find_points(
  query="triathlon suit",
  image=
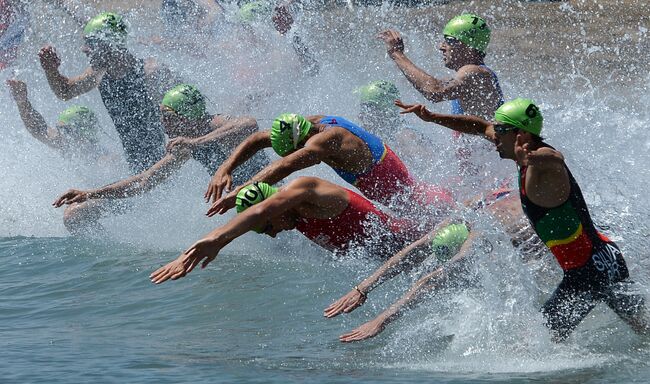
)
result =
(361, 222)
(136, 117)
(211, 156)
(464, 147)
(594, 269)
(457, 109)
(388, 176)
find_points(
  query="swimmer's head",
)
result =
(288, 131)
(448, 241)
(255, 11)
(380, 94)
(253, 194)
(185, 100)
(80, 123)
(107, 27)
(469, 29)
(520, 113)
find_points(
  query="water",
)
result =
(76, 310)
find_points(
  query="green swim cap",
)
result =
(469, 29)
(80, 121)
(448, 241)
(254, 11)
(107, 26)
(186, 100)
(288, 131)
(380, 93)
(521, 113)
(253, 194)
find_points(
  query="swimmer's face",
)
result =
(278, 224)
(173, 123)
(453, 52)
(99, 52)
(505, 137)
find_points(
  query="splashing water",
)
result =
(77, 310)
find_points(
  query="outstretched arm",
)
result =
(132, 186)
(404, 260)
(431, 88)
(207, 248)
(303, 158)
(222, 179)
(429, 283)
(63, 87)
(33, 120)
(472, 125)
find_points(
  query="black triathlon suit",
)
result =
(136, 117)
(594, 268)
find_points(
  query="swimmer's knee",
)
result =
(78, 218)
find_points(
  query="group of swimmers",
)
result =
(395, 217)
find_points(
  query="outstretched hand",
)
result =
(224, 204)
(180, 144)
(282, 18)
(17, 88)
(49, 58)
(365, 331)
(419, 109)
(221, 182)
(393, 40)
(204, 249)
(70, 197)
(345, 304)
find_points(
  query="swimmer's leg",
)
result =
(629, 306)
(566, 309)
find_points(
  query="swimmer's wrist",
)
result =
(360, 291)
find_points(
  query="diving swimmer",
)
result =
(194, 133)
(76, 132)
(359, 157)
(329, 215)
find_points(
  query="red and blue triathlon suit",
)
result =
(360, 224)
(388, 176)
(594, 268)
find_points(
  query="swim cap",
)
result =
(521, 113)
(448, 241)
(470, 29)
(107, 26)
(186, 100)
(380, 93)
(79, 121)
(254, 11)
(288, 131)
(253, 194)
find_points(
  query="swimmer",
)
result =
(380, 116)
(194, 133)
(76, 131)
(593, 265)
(474, 90)
(283, 19)
(329, 215)
(129, 87)
(359, 157)
(451, 243)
